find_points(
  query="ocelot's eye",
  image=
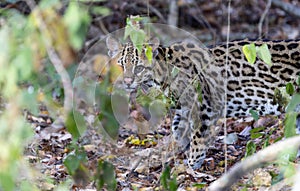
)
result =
(138, 69)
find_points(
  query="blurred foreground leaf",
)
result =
(105, 176)
(76, 166)
(77, 21)
(290, 124)
(75, 124)
(167, 181)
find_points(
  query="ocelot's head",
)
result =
(137, 71)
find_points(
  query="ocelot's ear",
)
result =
(154, 43)
(113, 46)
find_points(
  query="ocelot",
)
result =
(203, 83)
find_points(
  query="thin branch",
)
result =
(226, 79)
(262, 18)
(57, 63)
(287, 7)
(65, 78)
(201, 19)
(103, 28)
(261, 158)
(154, 10)
(173, 13)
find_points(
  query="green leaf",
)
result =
(7, 182)
(138, 38)
(200, 185)
(71, 163)
(198, 88)
(23, 62)
(256, 135)
(76, 166)
(298, 81)
(281, 97)
(120, 105)
(165, 176)
(266, 142)
(143, 99)
(105, 175)
(158, 110)
(287, 167)
(100, 10)
(258, 129)
(128, 21)
(250, 149)
(82, 175)
(290, 124)
(48, 4)
(276, 178)
(10, 87)
(77, 21)
(137, 35)
(290, 170)
(152, 95)
(73, 160)
(129, 28)
(106, 116)
(254, 114)
(75, 124)
(149, 54)
(26, 185)
(166, 181)
(289, 88)
(264, 54)
(295, 101)
(137, 18)
(5, 51)
(128, 31)
(174, 71)
(249, 51)
(257, 132)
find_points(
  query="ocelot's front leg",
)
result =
(181, 128)
(198, 139)
(200, 142)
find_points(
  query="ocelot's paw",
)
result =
(199, 146)
(181, 135)
(196, 157)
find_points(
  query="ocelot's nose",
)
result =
(128, 81)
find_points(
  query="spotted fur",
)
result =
(244, 86)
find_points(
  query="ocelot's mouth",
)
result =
(129, 88)
(145, 88)
(146, 85)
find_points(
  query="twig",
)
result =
(261, 158)
(65, 78)
(155, 11)
(101, 24)
(262, 18)
(226, 79)
(57, 63)
(173, 13)
(201, 19)
(287, 7)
